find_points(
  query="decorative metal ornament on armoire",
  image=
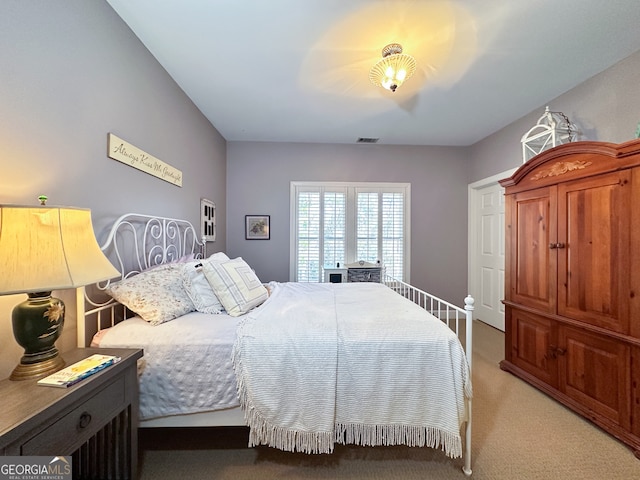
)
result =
(552, 129)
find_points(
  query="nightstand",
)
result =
(95, 421)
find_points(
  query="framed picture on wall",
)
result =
(208, 220)
(257, 227)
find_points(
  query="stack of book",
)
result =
(78, 371)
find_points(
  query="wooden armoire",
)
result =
(572, 280)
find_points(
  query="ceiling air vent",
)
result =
(367, 140)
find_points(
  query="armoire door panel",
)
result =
(594, 371)
(531, 345)
(533, 263)
(593, 275)
(635, 391)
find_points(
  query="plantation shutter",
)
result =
(308, 243)
(393, 234)
(341, 223)
(334, 234)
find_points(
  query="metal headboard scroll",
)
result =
(137, 242)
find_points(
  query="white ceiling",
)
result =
(297, 70)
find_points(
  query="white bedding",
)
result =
(186, 366)
(391, 374)
(324, 363)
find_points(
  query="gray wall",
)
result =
(605, 108)
(259, 176)
(71, 71)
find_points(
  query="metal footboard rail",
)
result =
(460, 320)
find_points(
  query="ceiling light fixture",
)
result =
(393, 69)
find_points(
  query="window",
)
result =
(341, 223)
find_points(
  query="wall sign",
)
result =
(124, 152)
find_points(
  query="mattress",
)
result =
(187, 365)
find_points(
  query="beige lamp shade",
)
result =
(49, 248)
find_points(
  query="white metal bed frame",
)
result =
(137, 242)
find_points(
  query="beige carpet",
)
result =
(518, 433)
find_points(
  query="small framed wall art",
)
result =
(257, 227)
(208, 220)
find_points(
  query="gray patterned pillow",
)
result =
(156, 295)
(197, 287)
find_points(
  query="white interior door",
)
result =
(486, 249)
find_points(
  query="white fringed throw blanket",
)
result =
(319, 364)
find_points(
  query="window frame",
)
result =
(351, 189)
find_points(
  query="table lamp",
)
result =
(42, 249)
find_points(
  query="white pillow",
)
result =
(156, 295)
(237, 286)
(197, 286)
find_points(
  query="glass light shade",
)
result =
(49, 248)
(393, 69)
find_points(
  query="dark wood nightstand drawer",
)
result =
(75, 428)
(94, 421)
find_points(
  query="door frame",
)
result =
(473, 196)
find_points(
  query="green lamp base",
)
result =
(37, 324)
